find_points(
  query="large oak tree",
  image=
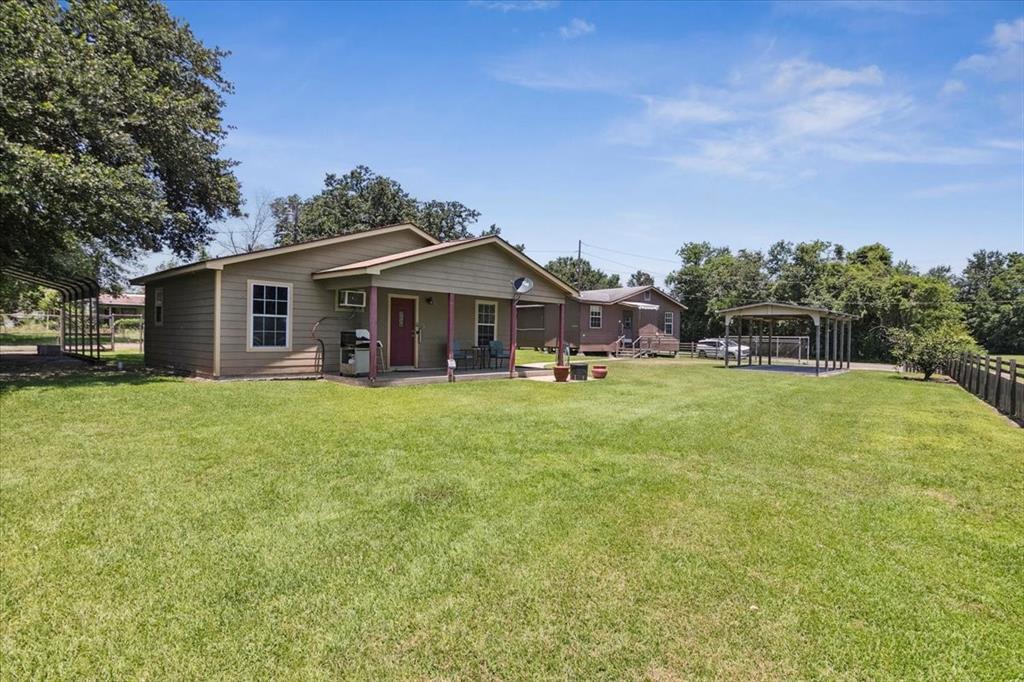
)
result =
(110, 135)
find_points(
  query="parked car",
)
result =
(715, 348)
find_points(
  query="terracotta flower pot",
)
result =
(561, 373)
(599, 371)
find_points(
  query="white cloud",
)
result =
(977, 187)
(1005, 58)
(674, 111)
(515, 5)
(577, 27)
(835, 111)
(776, 121)
(952, 86)
(799, 74)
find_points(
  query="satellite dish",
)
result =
(522, 285)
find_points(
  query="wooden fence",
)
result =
(998, 382)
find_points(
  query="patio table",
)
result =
(481, 357)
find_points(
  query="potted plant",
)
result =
(599, 371)
(561, 373)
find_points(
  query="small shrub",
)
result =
(928, 350)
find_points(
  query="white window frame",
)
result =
(476, 319)
(600, 316)
(158, 305)
(647, 295)
(249, 284)
(669, 324)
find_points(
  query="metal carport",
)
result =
(79, 309)
(838, 331)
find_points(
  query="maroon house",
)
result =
(625, 320)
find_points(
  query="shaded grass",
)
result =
(674, 520)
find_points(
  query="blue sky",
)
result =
(637, 127)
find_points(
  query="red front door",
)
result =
(403, 332)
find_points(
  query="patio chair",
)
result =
(458, 354)
(498, 352)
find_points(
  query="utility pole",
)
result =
(579, 264)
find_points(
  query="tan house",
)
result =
(286, 310)
(624, 320)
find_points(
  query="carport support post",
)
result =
(513, 327)
(849, 342)
(373, 334)
(760, 338)
(835, 345)
(817, 347)
(451, 337)
(560, 354)
(728, 321)
(771, 333)
(750, 343)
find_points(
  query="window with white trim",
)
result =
(270, 306)
(486, 322)
(596, 316)
(647, 295)
(158, 306)
(670, 323)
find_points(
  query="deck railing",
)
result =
(998, 382)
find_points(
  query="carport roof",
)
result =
(774, 310)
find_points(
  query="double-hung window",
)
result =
(486, 322)
(158, 306)
(596, 314)
(670, 323)
(270, 315)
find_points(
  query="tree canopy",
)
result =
(581, 274)
(640, 279)
(110, 135)
(362, 200)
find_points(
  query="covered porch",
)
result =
(443, 312)
(831, 354)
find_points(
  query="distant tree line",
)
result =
(985, 302)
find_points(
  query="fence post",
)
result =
(1013, 388)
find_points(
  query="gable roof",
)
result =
(611, 296)
(376, 266)
(220, 262)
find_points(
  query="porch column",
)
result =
(373, 334)
(451, 337)
(513, 327)
(771, 333)
(817, 347)
(560, 355)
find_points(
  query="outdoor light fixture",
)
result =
(430, 300)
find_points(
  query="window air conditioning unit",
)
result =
(351, 299)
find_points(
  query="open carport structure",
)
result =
(79, 309)
(834, 356)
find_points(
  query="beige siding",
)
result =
(310, 302)
(482, 271)
(185, 340)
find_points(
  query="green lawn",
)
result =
(676, 520)
(31, 337)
